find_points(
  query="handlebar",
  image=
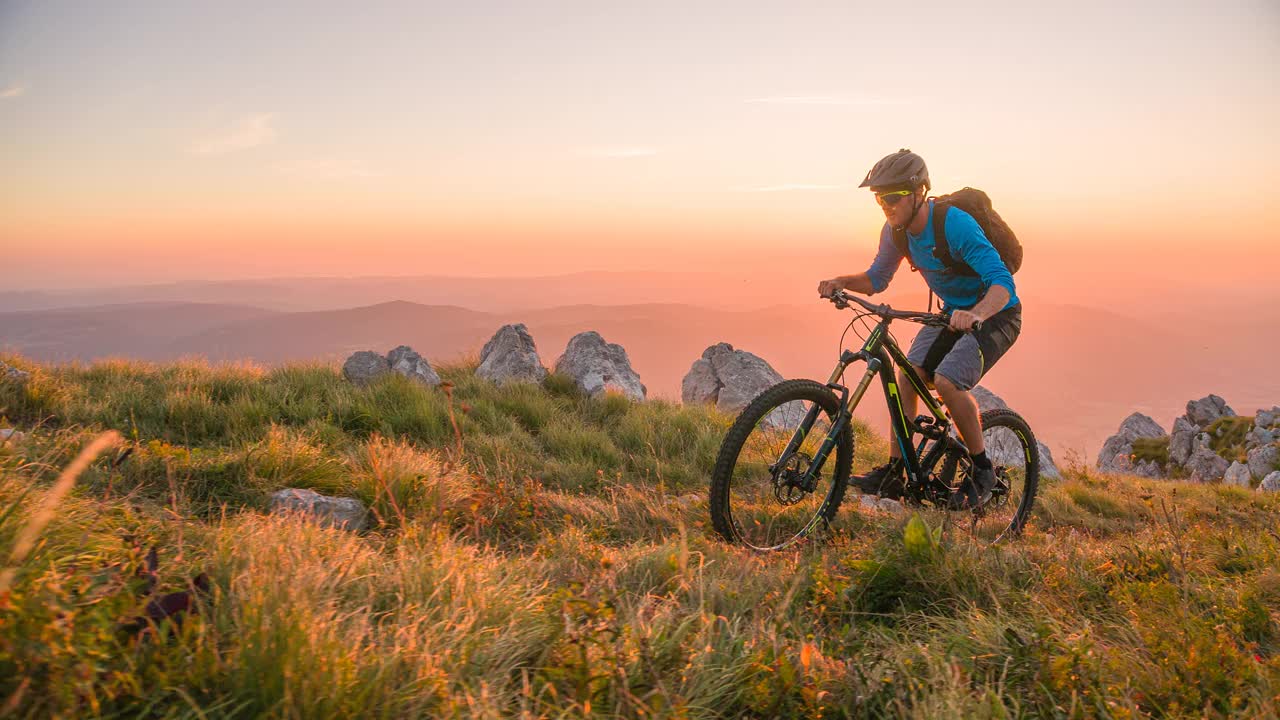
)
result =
(841, 299)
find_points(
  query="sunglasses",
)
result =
(892, 197)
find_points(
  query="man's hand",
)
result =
(963, 320)
(827, 287)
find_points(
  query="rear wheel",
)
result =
(1013, 449)
(762, 494)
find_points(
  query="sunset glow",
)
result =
(230, 141)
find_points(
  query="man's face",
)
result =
(896, 204)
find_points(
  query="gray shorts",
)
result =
(963, 358)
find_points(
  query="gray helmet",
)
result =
(901, 168)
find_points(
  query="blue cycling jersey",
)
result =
(967, 243)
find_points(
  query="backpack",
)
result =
(976, 203)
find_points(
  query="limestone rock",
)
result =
(1182, 440)
(597, 366)
(987, 400)
(1267, 418)
(1238, 474)
(1262, 460)
(1120, 445)
(731, 379)
(1004, 448)
(1271, 483)
(365, 366)
(1258, 437)
(8, 373)
(511, 356)
(412, 365)
(1141, 468)
(11, 435)
(1205, 465)
(879, 504)
(1204, 411)
(339, 512)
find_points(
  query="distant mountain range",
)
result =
(1076, 372)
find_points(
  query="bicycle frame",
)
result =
(881, 354)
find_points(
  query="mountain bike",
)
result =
(775, 481)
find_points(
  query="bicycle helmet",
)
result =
(903, 168)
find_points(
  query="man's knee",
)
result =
(945, 386)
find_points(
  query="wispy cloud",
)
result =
(792, 187)
(326, 169)
(12, 91)
(621, 152)
(248, 132)
(823, 100)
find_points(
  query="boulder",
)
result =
(987, 400)
(11, 434)
(11, 374)
(1182, 440)
(887, 505)
(1204, 411)
(410, 364)
(1205, 465)
(1142, 468)
(1271, 483)
(510, 356)
(1262, 460)
(730, 379)
(1238, 474)
(1120, 446)
(1004, 449)
(597, 366)
(1267, 418)
(363, 367)
(1258, 437)
(340, 512)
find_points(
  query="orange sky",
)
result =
(151, 143)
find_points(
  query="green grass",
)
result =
(561, 564)
(1227, 436)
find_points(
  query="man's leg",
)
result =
(964, 411)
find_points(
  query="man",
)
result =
(953, 359)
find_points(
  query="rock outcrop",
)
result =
(340, 512)
(1182, 440)
(364, 367)
(407, 362)
(510, 356)
(1262, 460)
(597, 366)
(11, 374)
(1002, 447)
(730, 379)
(1271, 483)
(1238, 474)
(1204, 411)
(1117, 451)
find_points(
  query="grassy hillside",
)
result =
(552, 557)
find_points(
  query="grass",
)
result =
(1227, 436)
(561, 565)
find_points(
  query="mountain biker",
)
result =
(951, 358)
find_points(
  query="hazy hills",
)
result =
(1075, 373)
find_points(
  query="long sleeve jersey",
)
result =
(967, 243)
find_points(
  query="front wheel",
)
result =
(1013, 449)
(768, 489)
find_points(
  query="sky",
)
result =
(1125, 142)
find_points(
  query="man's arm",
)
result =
(859, 283)
(876, 278)
(990, 304)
